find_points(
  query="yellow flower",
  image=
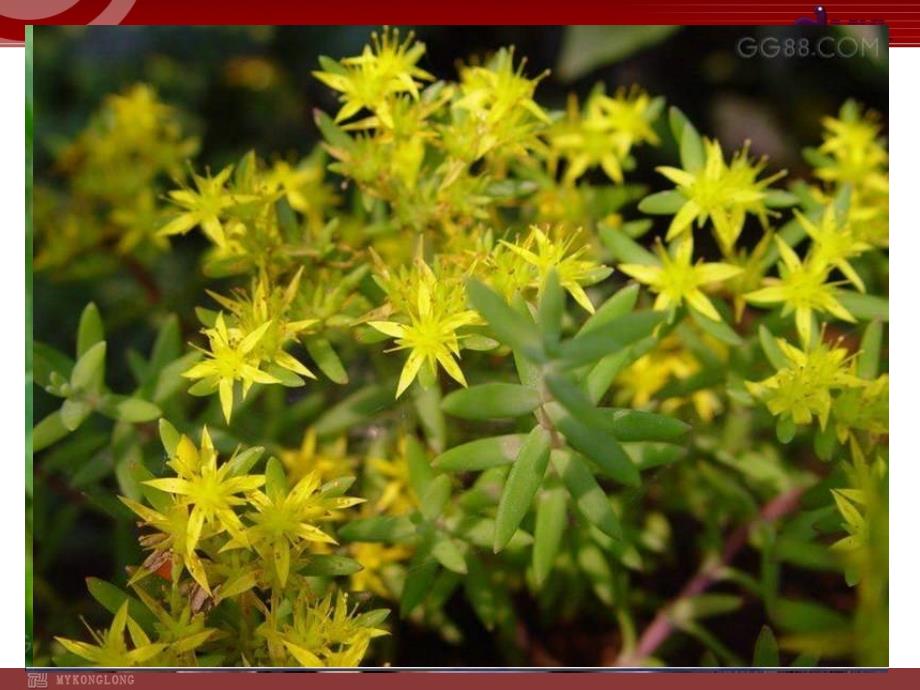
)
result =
(397, 497)
(111, 649)
(130, 141)
(205, 207)
(855, 149)
(283, 520)
(304, 187)
(637, 385)
(435, 315)
(724, 193)
(384, 69)
(544, 254)
(862, 506)
(855, 156)
(868, 215)
(803, 388)
(863, 408)
(330, 461)
(114, 168)
(138, 114)
(230, 359)
(321, 633)
(833, 243)
(181, 629)
(268, 304)
(802, 288)
(138, 222)
(496, 107)
(605, 132)
(677, 279)
(374, 559)
(210, 490)
(169, 541)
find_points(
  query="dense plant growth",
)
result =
(447, 355)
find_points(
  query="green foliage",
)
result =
(423, 381)
(81, 384)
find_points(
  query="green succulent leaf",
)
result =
(692, 155)
(525, 478)
(74, 412)
(169, 436)
(448, 554)
(665, 203)
(381, 528)
(89, 370)
(435, 496)
(625, 249)
(90, 329)
(49, 431)
(329, 565)
(481, 454)
(419, 578)
(326, 359)
(491, 401)
(766, 651)
(589, 347)
(112, 598)
(869, 351)
(510, 326)
(600, 445)
(551, 518)
(637, 425)
(134, 410)
(551, 309)
(589, 498)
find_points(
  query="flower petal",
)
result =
(390, 328)
(409, 371)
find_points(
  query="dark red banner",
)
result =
(452, 680)
(902, 17)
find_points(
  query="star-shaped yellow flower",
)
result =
(385, 69)
(111, 649)
(545, 254)
(802, 389)
(834, 243)
(230, 359)
(204, 207)
(283, 523)
(677, 279)
(801, 288)
(724, 193)
(210, 490)
(431, 334)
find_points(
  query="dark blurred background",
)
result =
(251, 87)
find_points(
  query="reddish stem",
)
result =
(144, 278)
(661, 626)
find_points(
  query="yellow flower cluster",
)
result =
(803, 388)
(362, 257)
(236, 532)
(116, 170)
(853, 156)
(251, 349)
(604, 132)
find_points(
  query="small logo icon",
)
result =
(37, 680)
(819, 20)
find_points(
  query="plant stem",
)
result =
(661, 627)
(144, 278)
